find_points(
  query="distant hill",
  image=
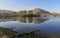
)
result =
(6, 11)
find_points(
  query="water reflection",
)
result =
(22, 27)
(24, 19)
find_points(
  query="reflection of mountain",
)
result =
(4, 19)
(23, 19)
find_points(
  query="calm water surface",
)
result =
(32, 27)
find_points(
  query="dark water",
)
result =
(31, 27)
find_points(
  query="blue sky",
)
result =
(49, 5)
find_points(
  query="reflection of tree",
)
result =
(31, 19)
(21, 19)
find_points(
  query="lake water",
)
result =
(30, 27)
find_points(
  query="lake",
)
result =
(30, 27)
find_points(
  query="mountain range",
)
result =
(41, 11)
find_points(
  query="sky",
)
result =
(48, 5)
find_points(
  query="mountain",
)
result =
(42, 11)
